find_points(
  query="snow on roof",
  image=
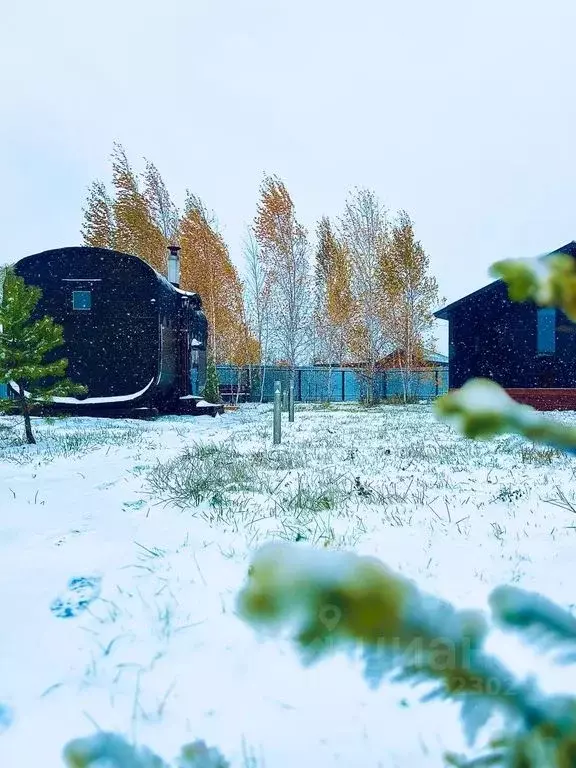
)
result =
(435, 357)
(165, 280)
(93, 400)
(184, 293)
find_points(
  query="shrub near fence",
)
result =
(313, 384)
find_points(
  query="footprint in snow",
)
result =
(134, 504)
(80, 593)
(6, 717)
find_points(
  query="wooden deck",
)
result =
(545, 399)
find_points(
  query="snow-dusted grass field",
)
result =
(167, 514)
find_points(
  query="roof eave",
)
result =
(444, 313)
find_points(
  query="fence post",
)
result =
(437, 382)
(291, 400)
(300, 384)
(277, 414)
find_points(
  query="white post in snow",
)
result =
(277, 413)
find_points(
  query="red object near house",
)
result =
(545, 399)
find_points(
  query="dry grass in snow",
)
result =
(167, 513)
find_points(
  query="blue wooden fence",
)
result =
(313, 384)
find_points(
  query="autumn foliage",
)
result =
(360, 295)
(207, 269)
(334, 303)
(285, 265)
(140, 218)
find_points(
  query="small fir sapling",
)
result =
(211, 391)
(27, 351)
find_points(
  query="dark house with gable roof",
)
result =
(528, 350)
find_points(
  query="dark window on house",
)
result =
(81, 300)
(546, 331)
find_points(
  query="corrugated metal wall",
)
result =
(313, 384)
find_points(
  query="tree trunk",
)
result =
(238, 383)
(26, 413)
(262, 379)
(370, 384)
(403, 374)
(249, 371)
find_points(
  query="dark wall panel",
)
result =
(493, 337)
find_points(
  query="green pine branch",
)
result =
(334, 600)
(114, 751)
(549, 281)
(481, 409)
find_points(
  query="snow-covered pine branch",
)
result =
(549, 281)
(114, 751)
(482, 409)
(329, 601)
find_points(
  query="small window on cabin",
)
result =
(81, 299)
(546, 331)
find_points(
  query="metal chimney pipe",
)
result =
(174, 265)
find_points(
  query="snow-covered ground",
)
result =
(161, 519)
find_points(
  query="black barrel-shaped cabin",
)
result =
(134, 339)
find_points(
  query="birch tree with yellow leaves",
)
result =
(412, 295)
(207, 269)
(334, 304)
(365, 233)
(131, 219)
(161, 208)
(284, 248)
(98, 227)
(135, 230)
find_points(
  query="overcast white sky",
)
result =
(461, 112)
